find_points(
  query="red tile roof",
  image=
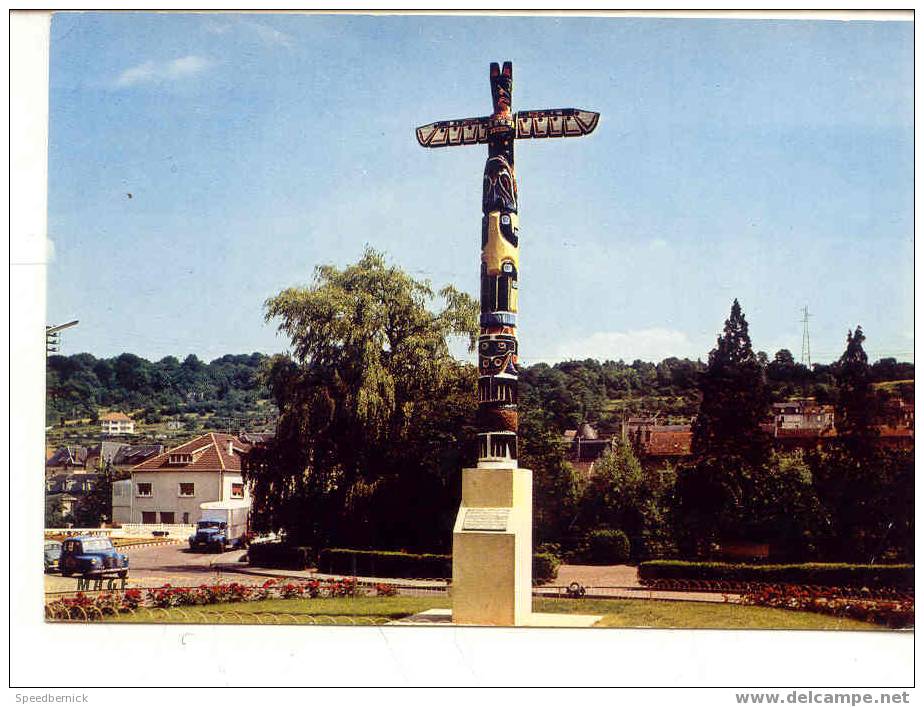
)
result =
(669, 444)
(209, 453)
(889, 431)
(115, 416)
(805, 432)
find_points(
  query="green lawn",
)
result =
(635, 613)
(291, 610)
(627, 613)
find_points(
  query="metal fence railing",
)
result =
(128, 530)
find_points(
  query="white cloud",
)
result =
(646, 344)
(261, 31)
(153, 71)
(268, 34)
(186, 66)
(213, 27)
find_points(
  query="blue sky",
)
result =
(764, 160)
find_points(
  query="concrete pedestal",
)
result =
(492, 548)
(443, 617)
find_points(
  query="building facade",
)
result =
(171, 487)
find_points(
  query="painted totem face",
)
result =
(500, 238)
(502, 88)
(497, 355)
(500, 186)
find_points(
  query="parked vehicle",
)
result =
(52, 555)
(91, 557)
(223, 526)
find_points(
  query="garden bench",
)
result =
(83, 583)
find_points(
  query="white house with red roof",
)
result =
(170, 487)
(116, 423)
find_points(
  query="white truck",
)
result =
(223, 525)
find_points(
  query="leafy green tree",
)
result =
(364, 410)
(868, 503)
(621, 495)
(543, 387)
(94, 508)
(55, 517)
(557, 487)
(781, 508)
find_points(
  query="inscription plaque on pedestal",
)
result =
(491, 519)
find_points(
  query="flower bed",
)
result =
(897, 612)
(82, 607)
(741, 587)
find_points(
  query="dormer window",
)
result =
(180, 459)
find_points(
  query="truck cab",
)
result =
(91, 556)
(223, 525)
(211, 534)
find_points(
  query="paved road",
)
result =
(598, 576)
(156, 565)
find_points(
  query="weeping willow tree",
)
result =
(375, 413)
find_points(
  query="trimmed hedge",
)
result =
(604, 546)
(812, 573)
(280, 556)
(545, 567)
(405, 565)
(384, 563)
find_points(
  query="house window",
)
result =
(187, 489)
(148, 517)
(144, 490)
(180, 459)
(166, 517)
(186, 519)
(237, 490)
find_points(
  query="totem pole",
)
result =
(497, 346)
(492, 538)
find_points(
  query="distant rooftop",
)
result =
(115, 416)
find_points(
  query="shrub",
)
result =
(162, 597)
(605, 547)
(183, 596)
(812, 573)
(290, 590)
(239, 592)
(280, 555)
(382, 563)
(545, 567)
(344, 587)
(132, 599)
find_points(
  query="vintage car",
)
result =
(52, 554)
(91, 556)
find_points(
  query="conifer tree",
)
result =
(855, 411)
(735, 399)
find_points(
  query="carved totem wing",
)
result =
(556, 122)
(447, 133)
